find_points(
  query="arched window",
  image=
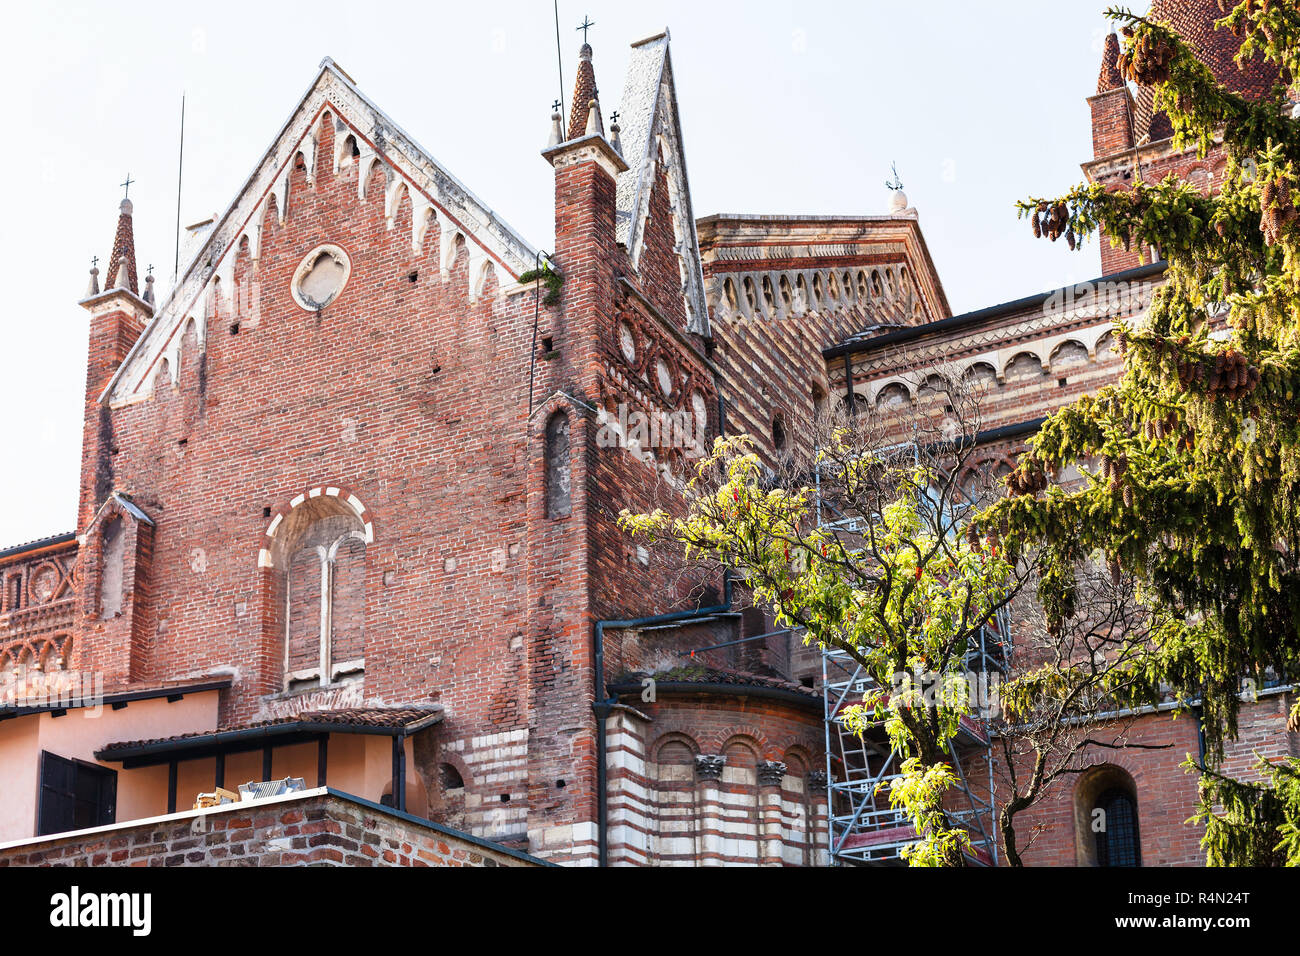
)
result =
(559, 469)
(1106, 818)
(322, 553)
(451, 793)
(778, 434)
(1117, 834)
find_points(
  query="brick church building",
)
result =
(348, 500)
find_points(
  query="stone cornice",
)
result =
(591, 148)
(117, 300)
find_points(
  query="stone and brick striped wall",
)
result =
(709, 780)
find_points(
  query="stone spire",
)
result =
(615, 135)
(93, 288)
(595, 124)
(1110, 78)
(584, 91)
(557, 129)
(121, 264)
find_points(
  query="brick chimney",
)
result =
(586, 248)
(117, 317)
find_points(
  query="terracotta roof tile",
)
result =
(1194, 22)
(393, 718)
(694, 674)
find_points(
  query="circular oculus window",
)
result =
(321, 277)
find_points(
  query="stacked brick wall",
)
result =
(1158, 161)
(1166, 798)
(317, 830)
(409, 393)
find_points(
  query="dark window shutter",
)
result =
(74, 795)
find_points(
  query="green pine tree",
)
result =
(1192, 460)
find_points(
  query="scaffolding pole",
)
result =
(863, 829)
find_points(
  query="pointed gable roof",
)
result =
(432, 188)
(650, 124)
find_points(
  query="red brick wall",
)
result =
(324, 830)
(412, 398)
(1112, 124)
(1166, 793)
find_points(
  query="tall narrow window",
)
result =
(1106, 818)
(559, 469)
(112, 572)
(1117, 837)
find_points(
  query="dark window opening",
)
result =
(234, 328)
(450, 777)
(1117, 840)
(778, 434)
(413, 277)
(74, 795)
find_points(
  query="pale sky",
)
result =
(787, 107)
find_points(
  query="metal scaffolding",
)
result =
(863, 827)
